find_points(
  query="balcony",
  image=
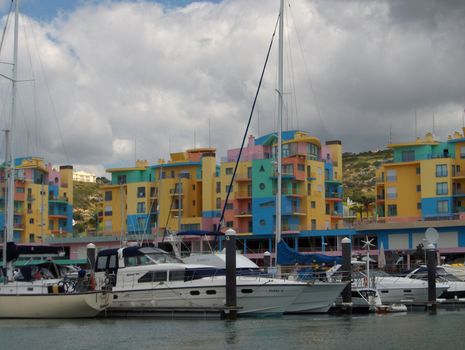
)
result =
(380, 179)
(243, 194)
(176, 192)
(243, 213)
(290, 228)
(333, 196)
(458, 174)
(58, 199)
(243, 178)
(458, 192)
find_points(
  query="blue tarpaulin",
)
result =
(288, 256)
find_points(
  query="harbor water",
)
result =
(413, 330)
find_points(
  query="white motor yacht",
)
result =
(456, 286)
(150, 279)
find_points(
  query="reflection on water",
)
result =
(416, 330)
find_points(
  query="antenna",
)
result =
(209, 133)
(434, 127)
(390, 134)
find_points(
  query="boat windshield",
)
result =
(150, 259)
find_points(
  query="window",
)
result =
(419, 205)
(309, 189)
(154, 276)
(313, 204)
(462, 152)
(262, 222)
(391, 176)
(19, 189)
(300, 167)
(418, 188)
(391, 192)
(392, 210)
(313, 224)
(227, 188)
(327, 209)
(177, 275)
(442, 207)
(31, 221)
(193, 187)
(309, 171)
(108, 195)
(108, 210)
(121, 179)
(108, 225)
(312, 151)
(418, 170)
(218, 187)
(218, 203)
(441, 188)
(229, 224)
(261, 186)
(228, 171)
(193, 203)
(408, 156)
(141, 207)
(441, 170)
(31, 238)
(262, 169)
(140, 192)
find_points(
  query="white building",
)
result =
(82, 176)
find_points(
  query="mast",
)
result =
(280, 129)
(9, 161)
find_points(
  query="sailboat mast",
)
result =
(11, 175)
(280, 129)
(9, 161)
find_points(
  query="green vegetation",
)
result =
(359, 174)
(86, 199)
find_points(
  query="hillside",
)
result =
(86, 199)
(359, 172)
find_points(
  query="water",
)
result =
(417, 330)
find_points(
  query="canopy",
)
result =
(199, 233)
(288, 256)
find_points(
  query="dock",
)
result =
(203, 313)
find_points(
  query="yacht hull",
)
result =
(66, 305)
(316, 298)
(254, 296)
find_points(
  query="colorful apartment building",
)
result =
(43, 200)
(189, 191)
(425, 181)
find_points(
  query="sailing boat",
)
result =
(39, 298)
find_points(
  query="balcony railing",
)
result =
(243, 194)
(291, 227)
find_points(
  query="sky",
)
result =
(106, 82)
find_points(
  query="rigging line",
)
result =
(169, 214)
(317, 108)
(246, 129)
(50, 97)
(292, 77)
(6, 26)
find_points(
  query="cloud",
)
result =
(119, 78)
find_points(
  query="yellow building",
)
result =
(426, 180)
(43, 200)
